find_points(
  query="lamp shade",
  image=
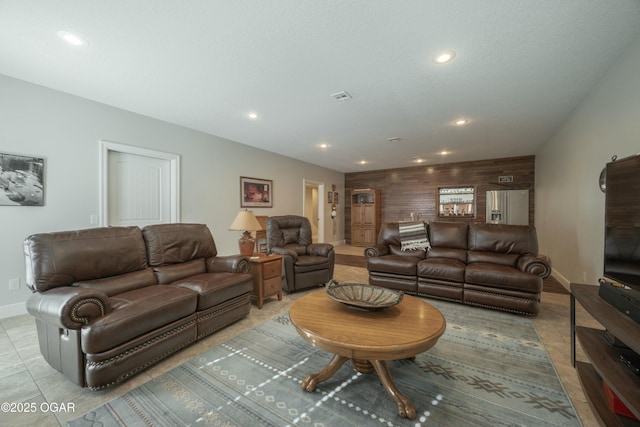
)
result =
(245, 221)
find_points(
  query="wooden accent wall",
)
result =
(414, 189)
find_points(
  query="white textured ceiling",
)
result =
(521, 67)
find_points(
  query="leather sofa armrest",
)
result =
(228, 264)
(319, 249)
(69, 307)
(286, 252)
(538, 265)
(376, 250)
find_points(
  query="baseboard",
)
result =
(566, 283)
(11, 310)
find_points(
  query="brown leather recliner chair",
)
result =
(306, 264)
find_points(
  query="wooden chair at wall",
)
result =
(261, 235)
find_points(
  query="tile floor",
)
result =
(26, 378)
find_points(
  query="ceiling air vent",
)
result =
(393, 139)
(341, 96)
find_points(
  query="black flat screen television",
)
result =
(622, 222)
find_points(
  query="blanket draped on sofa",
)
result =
(413, 235)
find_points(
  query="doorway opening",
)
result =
(312, 207)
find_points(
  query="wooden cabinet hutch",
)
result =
(365, 216)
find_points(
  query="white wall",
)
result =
(65, 130)
(569, 204)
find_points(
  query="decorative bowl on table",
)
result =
(363, 297)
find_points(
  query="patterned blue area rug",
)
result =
(488, 369)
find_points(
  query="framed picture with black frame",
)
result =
(256, 192)
(21, 180)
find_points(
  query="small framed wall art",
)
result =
(256, 193)
(21, 180)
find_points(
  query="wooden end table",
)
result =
(267, 277)
(367, 338)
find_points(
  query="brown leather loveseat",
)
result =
(109, 302)
(489, 265)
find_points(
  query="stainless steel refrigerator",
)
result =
(508, 207)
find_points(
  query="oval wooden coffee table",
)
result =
(368, 338)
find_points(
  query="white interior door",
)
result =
(139, 186)
(138, 190)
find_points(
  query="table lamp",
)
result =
(245, 221)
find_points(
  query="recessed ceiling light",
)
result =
(324, 145)
(444, 57)
(461, 122)
(363, 162)
(253, 116)
(72, 38)
(444, 152)
(418, 160)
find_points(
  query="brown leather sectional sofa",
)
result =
(109, 302)
(489, 265)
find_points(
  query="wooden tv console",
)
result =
(604, 358)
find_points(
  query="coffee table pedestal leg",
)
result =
(405, 408)
(362, 366)
(309, 383)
